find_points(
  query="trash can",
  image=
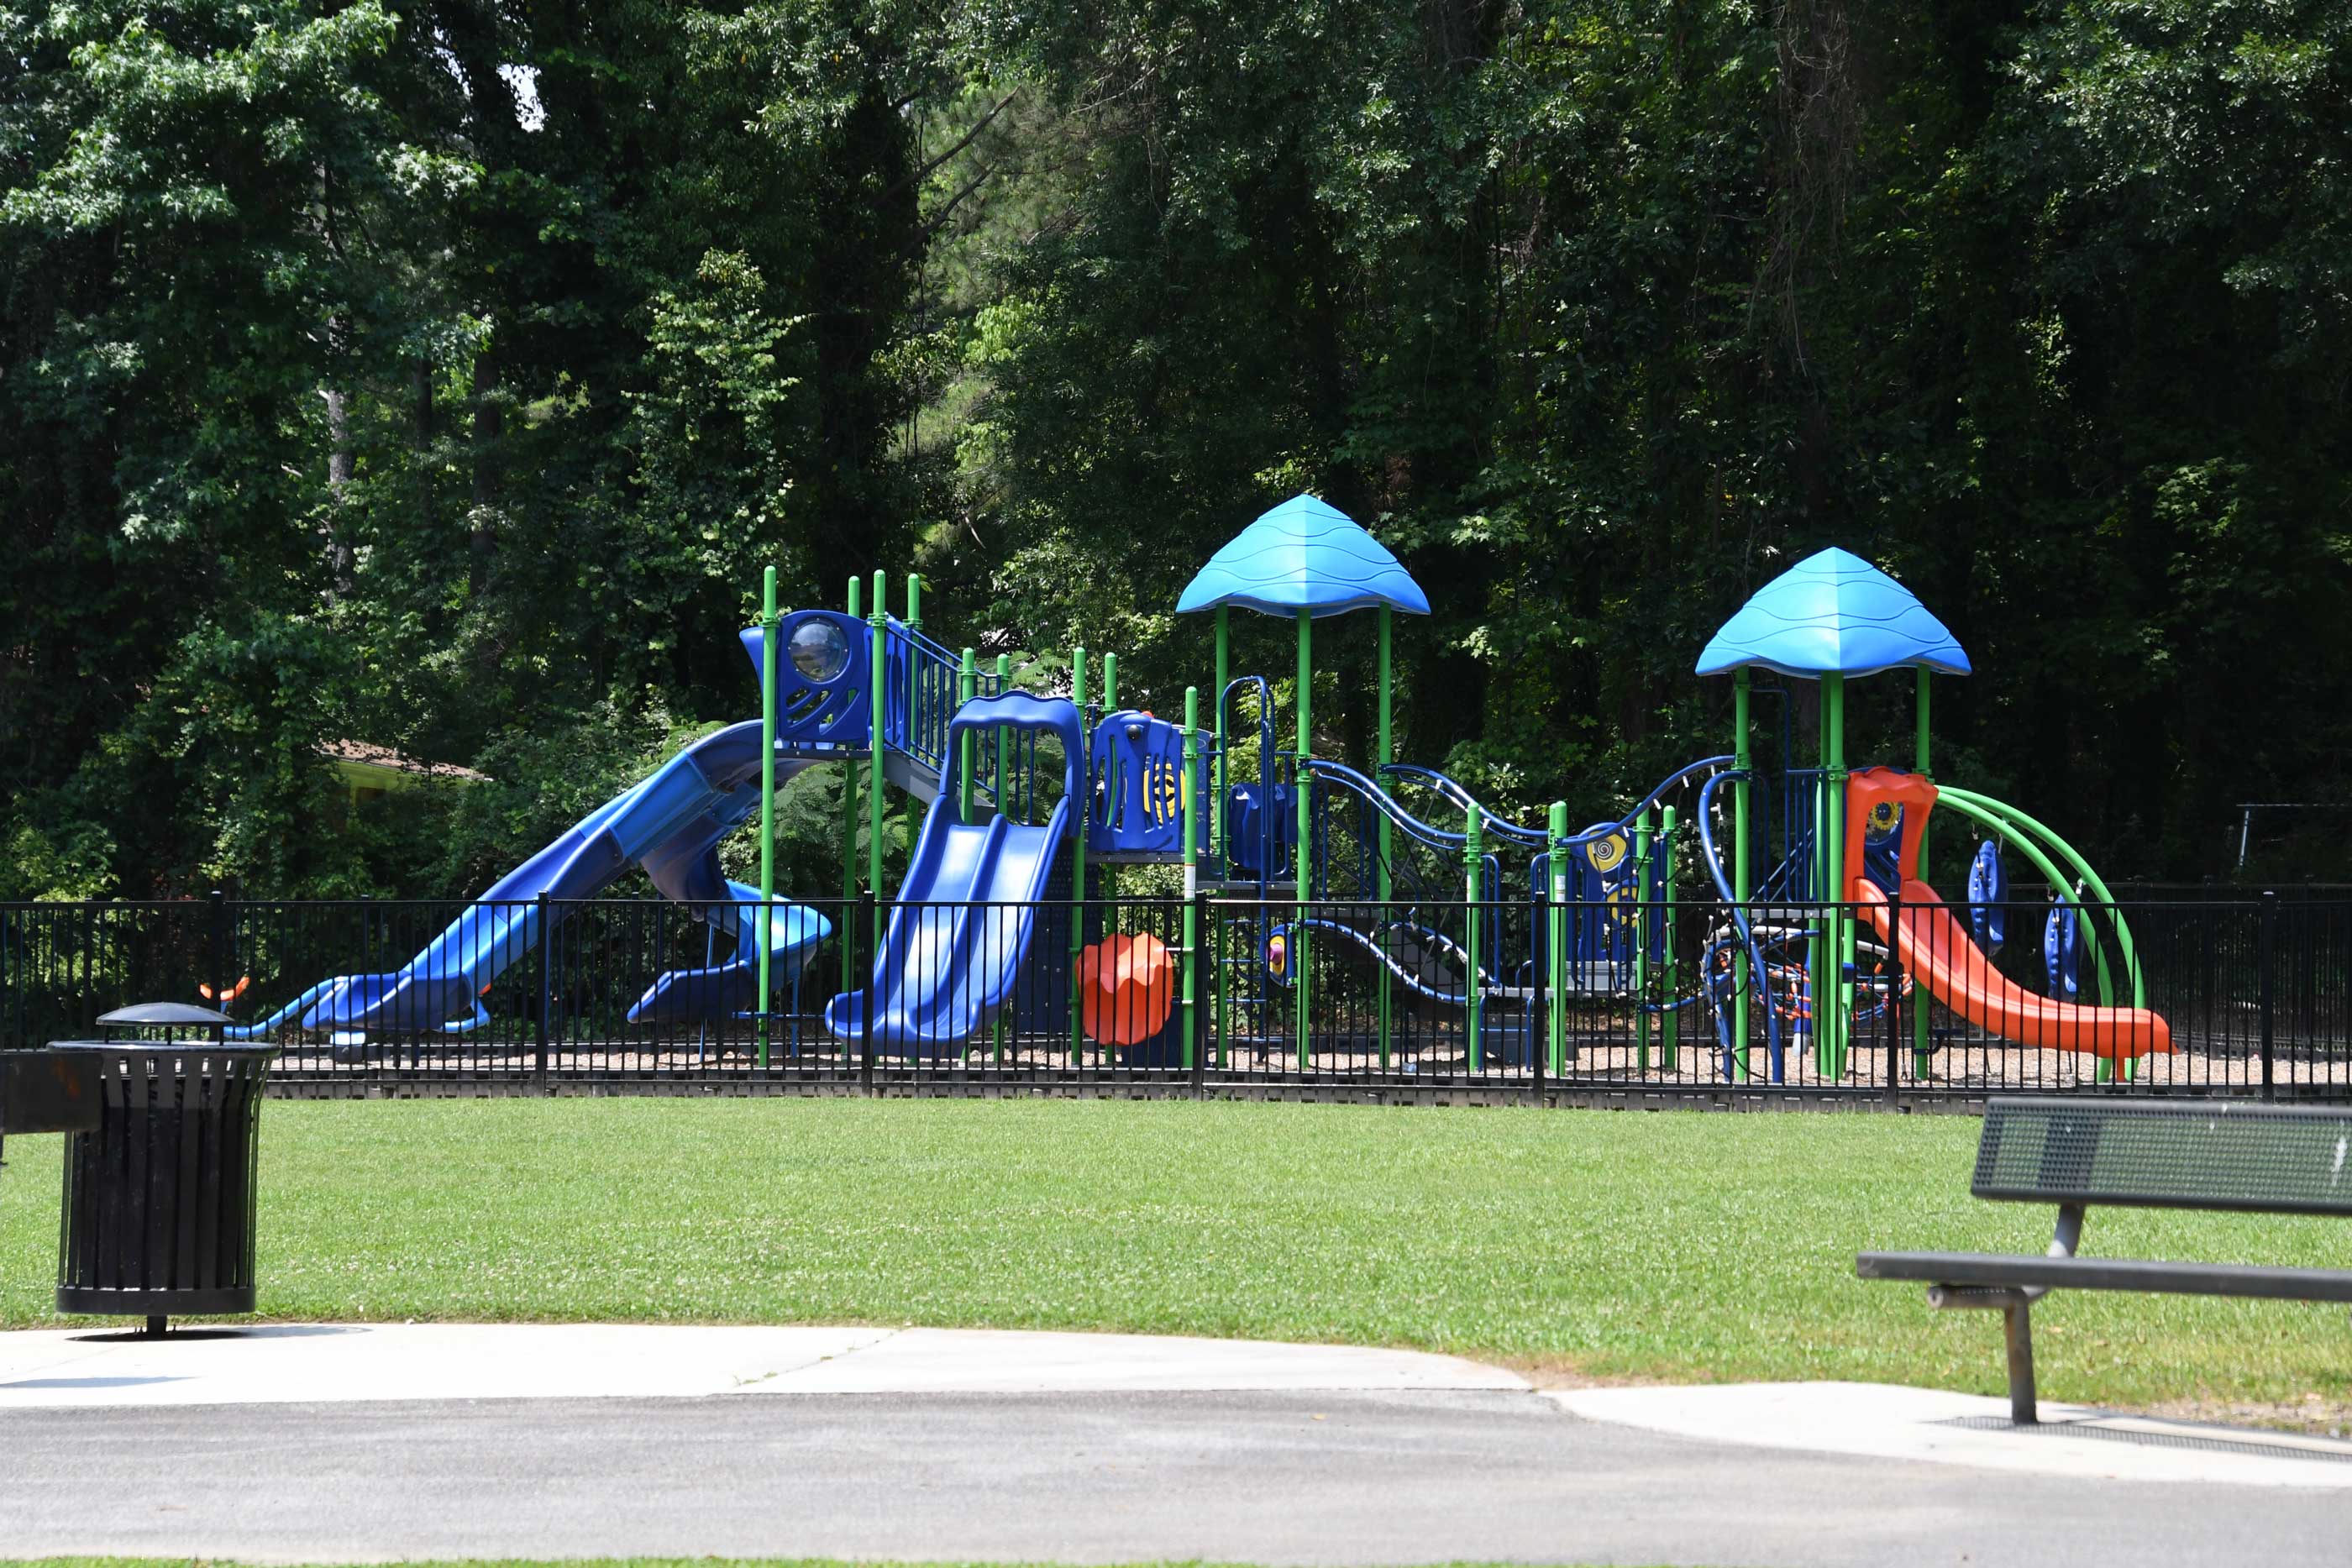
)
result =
(159, 1198)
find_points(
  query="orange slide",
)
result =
(1935, 951)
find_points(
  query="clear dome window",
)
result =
(819, 650)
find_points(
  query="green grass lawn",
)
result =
(1609, 1244)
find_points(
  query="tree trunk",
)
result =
(487, 427)
(340, 469)
(420, 440)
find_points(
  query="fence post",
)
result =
(216, 960)
(1891, 1010)
(2265, 955)
(1645, 914)
(1535, 1018)
(1555, 941)
(869, 914)
(546, 989)
(1196, 1036)
(1078, 813)
(1669, 964)
(1187, 808)
(1474, 1009)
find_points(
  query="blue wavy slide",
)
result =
(954, 945)
(671, 824)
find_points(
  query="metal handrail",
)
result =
(1456, 794)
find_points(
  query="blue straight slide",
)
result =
(956, 941)
(671, 824)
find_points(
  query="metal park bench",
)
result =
(2147, 1154)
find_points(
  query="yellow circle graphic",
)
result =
(1163, 791)
(1604, 853)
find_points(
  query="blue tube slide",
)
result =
(955, 943)
(671, 823)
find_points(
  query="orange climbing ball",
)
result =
(1127, 986)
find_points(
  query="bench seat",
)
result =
(2233, 1156)
(1997, 1270)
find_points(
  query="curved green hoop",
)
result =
(2082, 867)
(2041, 863)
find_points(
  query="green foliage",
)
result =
(442, 377)
(69, 861)
(1603, 314)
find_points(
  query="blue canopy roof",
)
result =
(1304, 555)
(1832, 614)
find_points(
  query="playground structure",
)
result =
(1830, 619)
(1382, 912)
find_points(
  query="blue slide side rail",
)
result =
(1018, 710)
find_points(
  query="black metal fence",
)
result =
(2255, 996)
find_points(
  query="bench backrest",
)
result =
(2168, 1153)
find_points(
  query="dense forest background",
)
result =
(441, 374)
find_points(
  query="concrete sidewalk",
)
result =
(1882, 1421)
(279, 1364)
(364, 1442)
(1324, 1478)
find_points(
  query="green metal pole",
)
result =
(1004, 735)
(1217, 822)
(1384, 890)
(767, 794)
(1299, 788)
(1741, 763)
(1107, 875)
(878, 631)
(1817, 924)
(1670, 975)
(878, 627)
(1187, 806)
(1474, 993)
(1556, 939)
(849, 789)
(967, 688)
(920, 718)
(1004, 744)
(1744, 763)
(1217, 795)
(1641, 918)
(1225, 972)
(1919, 999)
(1830, 1000)
(1077, 881)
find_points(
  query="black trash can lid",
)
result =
(218, 1050)
(151, 1013)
